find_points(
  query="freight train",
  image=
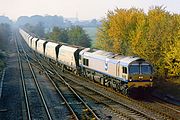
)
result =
(122, 73)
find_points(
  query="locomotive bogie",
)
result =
(102, 64)
(106, 80)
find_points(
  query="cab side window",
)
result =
(85, 62)
(125, 70)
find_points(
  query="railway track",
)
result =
(78, 108)
(35, 104)
(123, 110)
(169, 110)
(118, 107)
(147, 109)
(166, 104)
(162, 109)
(122, 115)
(77, 105)
(54, 103)
(138, 105)
(159, 112)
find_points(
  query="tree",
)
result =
(162, 28)
(5, 31)
(172, 60)
(153, 36)
(104, 41)
(37, 30)
(118, 28)
(59, 34)
(54, 35)
(77, 36)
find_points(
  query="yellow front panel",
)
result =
(140, 84)
(140, 81)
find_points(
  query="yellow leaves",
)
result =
(151, 36)
(172, 60)
(121, 25)
(103, 40)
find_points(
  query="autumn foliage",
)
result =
(154, 36)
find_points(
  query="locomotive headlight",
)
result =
(150, 78)
(130, 79)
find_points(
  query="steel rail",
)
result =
(37, 84)
(165, 104)
(74, 92)
(137, 103)
(23, 82)
(60, 93)
(95, 116)
(99, 93)
(37, 60)
(121, 103)
(53, 83)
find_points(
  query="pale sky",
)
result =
(84, 9)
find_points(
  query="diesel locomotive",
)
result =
(122, 73)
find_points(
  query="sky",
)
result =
(83, 9)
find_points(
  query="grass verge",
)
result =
(169, 87)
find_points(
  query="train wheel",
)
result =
(124, 91)
(62, 68)
(75, 72)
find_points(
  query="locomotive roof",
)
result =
(129, 59)
(100, 54)
(103, 53)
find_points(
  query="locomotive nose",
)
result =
(140, 81)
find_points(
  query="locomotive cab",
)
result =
(140, 74)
